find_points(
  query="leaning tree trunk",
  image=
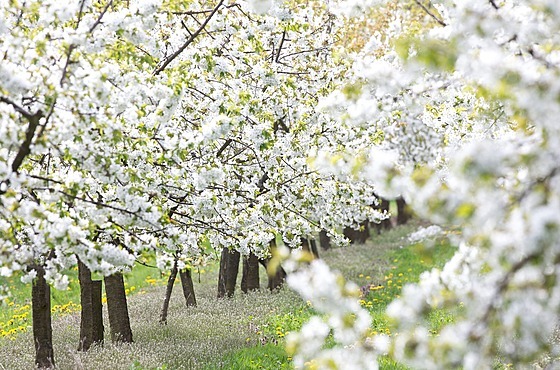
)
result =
(42, 328)
(229, 267)
(117, 309)
(250, 278)
(91, 321)
(168, 291)
(188, 287)
(324, 240)
(359, 236)
(403, 210)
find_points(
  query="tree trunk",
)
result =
(118, 309)
(275, 278)
(188, 287)
(91, 321)
(229, 267)
(310, 246)
(314, 249)
(250, 279)
(42, 328)
(357, 236)
(168, 291)
(403, 210)
(97, 311)
(324, 240)
(86, 316)
(384, 224)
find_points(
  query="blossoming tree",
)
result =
(150, 125)
(481, 78)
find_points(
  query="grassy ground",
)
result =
(245, 332)
(381, 267)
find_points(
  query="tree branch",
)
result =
(280, 47)
(429, 12)
(98, 20)
(17, 107)
(189, 40)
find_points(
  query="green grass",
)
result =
(268, 356)
(246, 332)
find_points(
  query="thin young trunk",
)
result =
(188, 287)
(250, 278)
(324, 240)
(229, 268)
(314, 249)
(168, 291)
(42, 328)
(310, 246)
(117, 309)
(86, 316)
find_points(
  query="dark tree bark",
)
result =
(188, 287)
(250, 278)
(118, 310)
(403, 210)
(91, 320)
(86, 316)
(275, 278)
(222, 273)
(97, 311)
(357, 236)
(229, 268)
(324, 240)
(42, 328)
(168, 291)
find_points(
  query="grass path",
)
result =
(213, 333)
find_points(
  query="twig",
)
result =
(441, 22)
(280, 47)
